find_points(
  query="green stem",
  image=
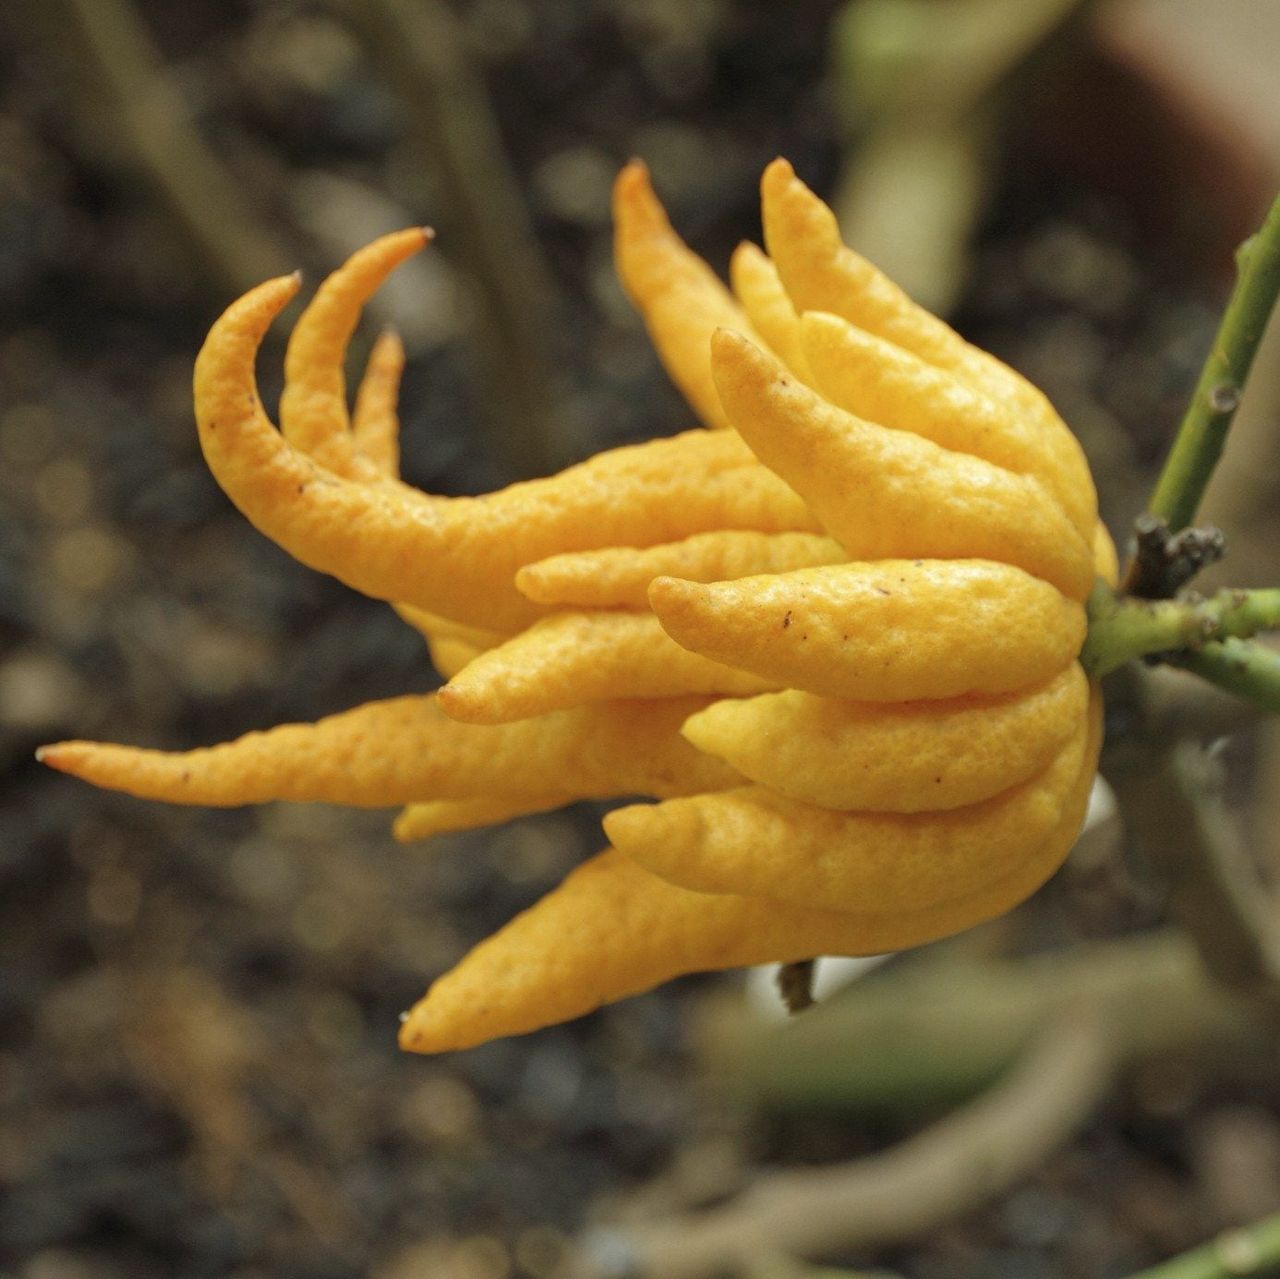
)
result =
(1124, 628)
(1248, 670)
(1203, 431)
(1252, 1250)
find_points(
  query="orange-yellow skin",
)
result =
(757, 287)
(375, 423)
(458, 556)
(750, 840)
(884, 493)
(820, 273)
(1105, 559)
(619, 576)
(679, 296)
(569, 659)
(880, 382)
(928, 762)
(894, 757)
(881, 631)
(612, 929)
(406, 749)
(313, 405)
(443, 816)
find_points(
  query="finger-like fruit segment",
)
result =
(406, 749)
(619, 576)
(821, 274)
(449, 654)
(880, 382)
(679, 296)
(895, 757)
(313, 405)
(881, 492)
(458, 556)
(612, 930)
(442, 816)
(570, 659)
(753, 841)
(375, 424)
(1105, 560)
(757, 286)
(884, 631)
(451, 644)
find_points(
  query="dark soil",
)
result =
(198, 1070)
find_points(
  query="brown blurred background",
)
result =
(198, 1072)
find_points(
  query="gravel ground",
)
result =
(198, 1073)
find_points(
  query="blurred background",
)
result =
(198, 1071)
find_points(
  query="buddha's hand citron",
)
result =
(835, 638)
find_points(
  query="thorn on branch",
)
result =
(1164, 562)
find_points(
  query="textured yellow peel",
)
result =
(757, 286)
(753, 841)
(881, 631)
(880, 382)
(569, 659)
(619, 576)
(821, 274)
(449, 654)
(612, 930)
(897, 757)
(458, 556)
(879, 579)
(679, 296)
(1105, 559)
(375, 423)
(881, 492)
(406, 749)
(313, 405)
(443, 816)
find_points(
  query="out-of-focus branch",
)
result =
(949, 1169)
(150, 122)
(421, 48)
(936, 1029)
(1251, 1250)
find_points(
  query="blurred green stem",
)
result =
(1203, 431)
(1252, 1250)
(1124, 628)
(1249, 670)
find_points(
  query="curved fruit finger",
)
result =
(756, 284)
(821, 274)
(612, 929)
(880, 382)
(405, 749)
(619, 576)
(458, 556)
(375, 423)
(751, 841)
(570, 659)
(881, 492)
(1105, 560)
(313, 405)
(679, 296)
(443, 816)
(897, 757)
(881, 631)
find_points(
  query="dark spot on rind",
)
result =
(786, 621)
